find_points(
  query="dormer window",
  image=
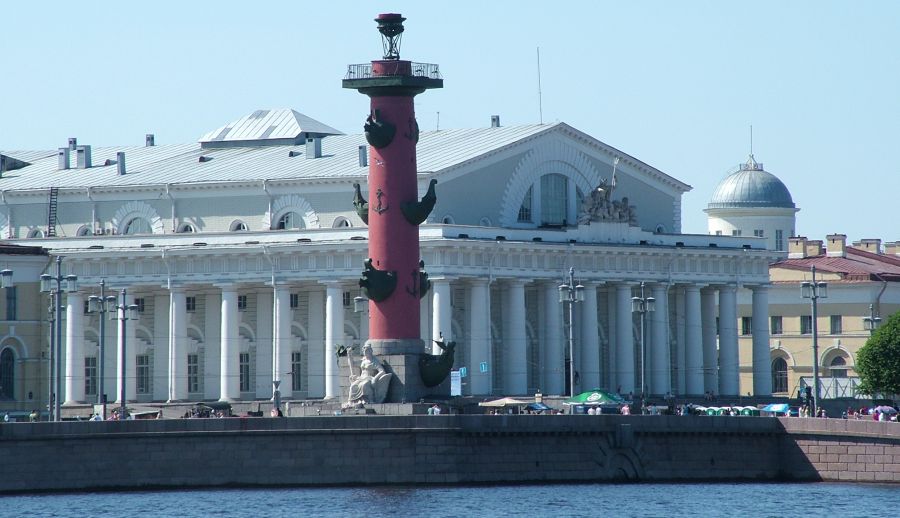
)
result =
(138, 226)
(289, 221)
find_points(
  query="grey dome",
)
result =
(751, 186)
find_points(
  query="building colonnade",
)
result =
(230, 341)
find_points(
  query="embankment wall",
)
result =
(350, 450)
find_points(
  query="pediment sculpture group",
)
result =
(600, 206)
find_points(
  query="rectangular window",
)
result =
(11, 303)
(295, 300)
(758, 233)
(776, 325)
(296, 369)
(193, 372)
(142, 374)
(836, 327)
(139, 302)
(525, 209)
(244, 360)
(779, 240)
(242, 302)
(736, 232)
(347, 299)
(718, 232)
(746, 325)
(805, 324)
(190, 304)
(90, 375)
(554, 200)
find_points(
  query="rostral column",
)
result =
(394, 278)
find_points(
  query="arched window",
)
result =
(838, 367)
(485, 222)
(779, 375)
(83, 231)
(289, 221)
(525, 208)
(138, 226)
(239, 226)
(186, 228)
(554, 200)
(36, 234)
(7, 374)
(340, 222)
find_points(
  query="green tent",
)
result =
(596, 397)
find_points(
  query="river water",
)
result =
(558, 500)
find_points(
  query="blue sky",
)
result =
(675, 84)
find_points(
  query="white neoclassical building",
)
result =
(243, 252)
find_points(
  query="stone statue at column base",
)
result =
(371, 383)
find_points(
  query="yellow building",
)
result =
(862, 288)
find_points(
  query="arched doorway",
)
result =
(7, 374)
(779, 376)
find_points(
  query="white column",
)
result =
(679, 384)
(126, 342)
(161, 350)
(178, 382)
(625, 373)
(265, 340)
(762, 374)
(212, 367)
(612, 366)
(708, 332)
(515, 370)
(74, 349)
(230, 375)
(660, 363)
(442, 313)
(282, 341)
(693, 341)
(589, 360)
(729, 373)
(334, 335)
(480, 338)
(554, 360)
(316, 343)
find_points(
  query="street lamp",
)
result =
(814, 290)
(101, 305)
(643, 305)
(571, 293)
(128, 312)
(56, 298)
(871, 322)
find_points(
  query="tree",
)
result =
(878, 362)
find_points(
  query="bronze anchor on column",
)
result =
(380, 208)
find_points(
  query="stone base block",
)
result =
(406, 385)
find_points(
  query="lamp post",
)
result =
(570, 293)
(814, 291)
(643, 305)
(871, 322)
(56, 297)
(122, 312)
(51, 367)
(100, 305)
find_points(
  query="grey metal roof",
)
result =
(437, 151)
(268, 125)
(751, 186)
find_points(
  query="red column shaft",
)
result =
(393, 241)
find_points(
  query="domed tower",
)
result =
(753, 202)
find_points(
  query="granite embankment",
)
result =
(446, 449)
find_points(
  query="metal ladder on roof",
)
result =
(51, 212)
